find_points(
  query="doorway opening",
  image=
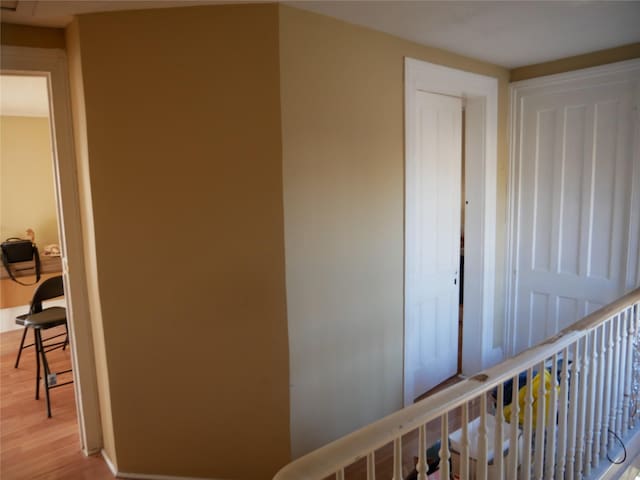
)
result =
(51, 65)
(473, 350)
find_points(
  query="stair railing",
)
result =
(555, 410)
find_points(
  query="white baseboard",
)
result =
(145, 476)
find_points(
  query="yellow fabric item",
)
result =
(522, 395)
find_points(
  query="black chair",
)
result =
(40, 319)
(47, 290)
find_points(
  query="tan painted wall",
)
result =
(27, 36)
(601, 57)
(76, 86)
(184, 163)
(343, 162)
(27, 196)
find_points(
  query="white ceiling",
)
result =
(507, 33)
(23, 96)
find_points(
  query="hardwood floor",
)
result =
(33, 446)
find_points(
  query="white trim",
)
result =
(148, 476)
(582, 74)
(107, 460)
(551, 83)
(52, 64)
(480, 93)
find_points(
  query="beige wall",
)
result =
(593, 59)
(76, 85)
(183, 161)
(26, 36)
(27, 196)
(343, 164)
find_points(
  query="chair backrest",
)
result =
(50, 288)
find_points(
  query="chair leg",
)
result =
(37, 349)
(66, 339)
(24, 334)
(45, 370)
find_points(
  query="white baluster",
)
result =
(540, 421)
(515, 431)
(628, 392)
(397, 459)
(582, 406)
(562, 416)
(528, 429)
(600, 381)
(591, 383)
(422, 466)
(498, 437)
(445, 453)
(635, 314)
(482, 461)
(622, 374)
(573, 412)
(551, 422)
(340, 474)
(606, 402)
(371, 467)
(613, 406)
(464, 450)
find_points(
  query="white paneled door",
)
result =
(433, 185)
(576, 209)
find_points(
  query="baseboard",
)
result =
(109, 463)
(145, 476)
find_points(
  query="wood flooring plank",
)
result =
(33, 446)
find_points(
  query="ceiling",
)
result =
(506, 33)
(23, 96)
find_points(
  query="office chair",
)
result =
(40, 319)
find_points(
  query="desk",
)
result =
(13, 294)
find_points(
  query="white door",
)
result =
(432, 242)
(574, 171)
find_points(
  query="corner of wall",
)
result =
(86, 212)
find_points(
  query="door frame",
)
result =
(480, 94)
(52, 64)
(558, 82)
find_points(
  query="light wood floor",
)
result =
(33, 446)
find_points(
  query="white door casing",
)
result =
(432, 235)
(480, 94)
(574, 198)
(52, 64)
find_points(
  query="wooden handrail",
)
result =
(347, 450)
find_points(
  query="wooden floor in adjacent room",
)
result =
(33, 446)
